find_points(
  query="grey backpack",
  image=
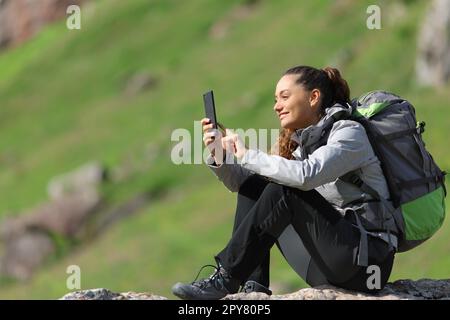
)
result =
(416, 184)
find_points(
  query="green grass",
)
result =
(63, 104)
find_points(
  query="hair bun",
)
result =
(340, 86)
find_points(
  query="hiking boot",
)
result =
(217, 286)
(253, 286)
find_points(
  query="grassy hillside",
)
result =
(63, 104)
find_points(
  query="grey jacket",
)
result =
(316, 165)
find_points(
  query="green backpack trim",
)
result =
(418, 225)
(371, 110)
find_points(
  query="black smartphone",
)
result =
(210, 108)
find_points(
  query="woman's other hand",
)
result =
(233, 143)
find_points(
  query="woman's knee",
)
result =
(273, 189)
(253, 186)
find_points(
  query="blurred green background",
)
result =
(63, 103)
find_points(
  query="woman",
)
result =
(301, 187)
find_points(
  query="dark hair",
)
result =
(333, 89)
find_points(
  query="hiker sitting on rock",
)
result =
(306, 206)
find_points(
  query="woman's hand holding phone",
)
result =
(217, 142)
(212, 138)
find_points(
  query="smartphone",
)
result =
(210, 108)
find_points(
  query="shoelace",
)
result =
(203, 283)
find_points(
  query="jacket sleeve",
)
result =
(347, 149)
(232, 175)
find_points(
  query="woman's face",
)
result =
(296, 107)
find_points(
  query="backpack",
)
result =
(415, 182)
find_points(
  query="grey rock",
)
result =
(25, 254)
(423, 289)
(27, 239)
(87, 177)
(420, 289)
(65, 216)
(21, 19)
(433, 59)
(105, 294)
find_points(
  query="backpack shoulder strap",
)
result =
(354, 179)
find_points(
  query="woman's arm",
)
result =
(347, 149)
(232, 175)
(227, 170)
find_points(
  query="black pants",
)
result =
(265, 209)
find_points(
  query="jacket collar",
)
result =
(312, 134)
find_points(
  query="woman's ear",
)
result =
(314, 98)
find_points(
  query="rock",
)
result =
(433, 59)
(21, 19)
(423, 289)
(86, 177)
(105, 294)
(65, 216)
(27, 252)
(30, 238)
(398, 290)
